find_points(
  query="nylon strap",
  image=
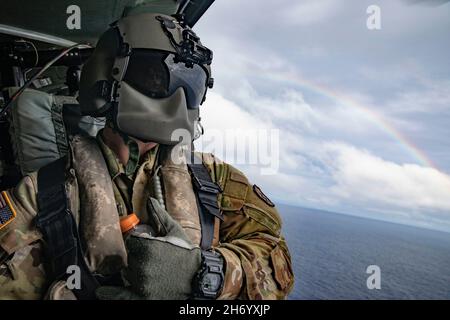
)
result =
(58, 125)
(58, 227)
(133, 154)
(206, 192)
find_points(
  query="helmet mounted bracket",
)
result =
(189, 50)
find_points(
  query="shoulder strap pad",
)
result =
(59, 229)
(207, 193)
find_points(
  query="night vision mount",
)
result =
(189, 51)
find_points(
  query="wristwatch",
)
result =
(208, 281)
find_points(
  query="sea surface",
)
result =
(331, 252)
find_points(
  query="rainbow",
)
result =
(377, 119)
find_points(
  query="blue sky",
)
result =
(341, 96)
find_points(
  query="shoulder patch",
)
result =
(7, 212)
(262, 196)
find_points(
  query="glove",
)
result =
(159, 267)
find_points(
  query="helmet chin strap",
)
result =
(133, 151)
(199, 130)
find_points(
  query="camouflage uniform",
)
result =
(257, 260)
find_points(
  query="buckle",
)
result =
(108, 90)
(207, 186)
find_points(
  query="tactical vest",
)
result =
(41, 126)
(95, 242)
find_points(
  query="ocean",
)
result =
(331, 252)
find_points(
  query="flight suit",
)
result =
(257, 260)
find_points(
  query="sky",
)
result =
(354, 120)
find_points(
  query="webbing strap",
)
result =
(58, 227)
(58, 125)
(206, 192)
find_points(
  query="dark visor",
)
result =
(156, 75)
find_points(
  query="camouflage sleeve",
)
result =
(257, 259)
(22, 274)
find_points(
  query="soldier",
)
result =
(129, 211)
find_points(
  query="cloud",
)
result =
(362, 177)
(331, 155)
(333, 175)
(369, 186)
(227, 125)
(309, 12)
(427, 2)
(434, 98)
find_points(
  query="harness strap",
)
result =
(59, 229)
(206, 192)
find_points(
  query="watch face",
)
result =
(211, 282)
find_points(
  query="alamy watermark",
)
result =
(74, 277)
(259, 147)
(374, 280)
(374, 19)
(73, 21)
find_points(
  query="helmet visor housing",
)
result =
(157, 74)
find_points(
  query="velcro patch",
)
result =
(7, 212)
(262, 196)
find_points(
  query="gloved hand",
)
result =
(159, 267)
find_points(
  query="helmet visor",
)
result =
(156, 74)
